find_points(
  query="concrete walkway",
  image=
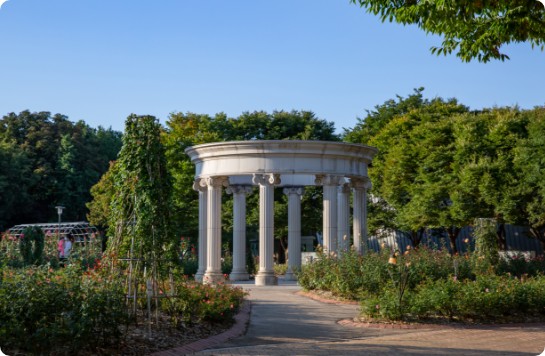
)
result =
(284, 323)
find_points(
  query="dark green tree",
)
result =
(528, 205)
(15, 171)
(62, 159)
(411, 174)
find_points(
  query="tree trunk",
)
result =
(502, 238)
(416, 237)
(453, 233)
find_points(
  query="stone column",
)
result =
(239, 272)
(294, 231)
(265, 276)
(200, 186)
(330, 184)
(360, 187)
(343, 215)
(364, 236)
(213, 258)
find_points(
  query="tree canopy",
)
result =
(47, 160)
(441, 166)
(471, 29)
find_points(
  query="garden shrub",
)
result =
(488, 298)
(195, 302)
(280, 269)
(45, 311)
(226, 264)
(519, 266)
(427, 284)
(386, 305)
(319, 274)
(352, 276)
(190, 265)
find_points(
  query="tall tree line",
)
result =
(440, 166)
(47, 160)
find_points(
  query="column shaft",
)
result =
(213, 259)
(343, 213)
(360, 214)
(239, 272)
(265, 275)
(294, 231)
(330, 184)
(200, 186)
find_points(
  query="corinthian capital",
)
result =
(218, 181)
(199, 185)
(360, 183)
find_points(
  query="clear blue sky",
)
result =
(100, 60)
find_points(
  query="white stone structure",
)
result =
(290, 164)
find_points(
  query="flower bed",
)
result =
(426, 285)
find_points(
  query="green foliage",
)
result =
(47, 160)
(486, 245)
(31, 245)
(368, 127)
(353, 276)
(530, 182)
(427, 285)
(475, 29)
(488, 298)
(412, 174)
(190, 302)
(102, 193)
(519, 266)
(140, 220)
(440, 167)
(43, 311)
(280, 269)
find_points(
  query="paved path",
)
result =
(284, 323)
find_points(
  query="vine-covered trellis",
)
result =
(142, 245)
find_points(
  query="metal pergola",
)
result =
(81, 230)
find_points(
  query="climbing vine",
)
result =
(140, 220)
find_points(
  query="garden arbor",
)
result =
(292, 165)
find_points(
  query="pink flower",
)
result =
(487, 290)
(377, 307)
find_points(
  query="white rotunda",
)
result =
(340, 168)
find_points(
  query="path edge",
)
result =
(238, 329)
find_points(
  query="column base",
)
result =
(199, 276)
(239, 276)
(266, 279)
(213, 278)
